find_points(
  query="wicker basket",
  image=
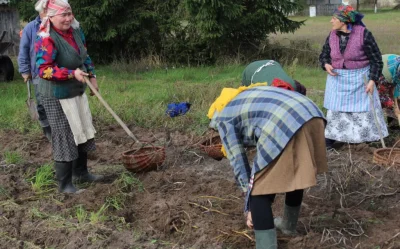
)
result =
(387, 156)
(213, 147)
(143, 159)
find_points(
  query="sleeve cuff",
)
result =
(71, 74)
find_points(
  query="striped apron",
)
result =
(345, 92)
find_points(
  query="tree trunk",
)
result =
(358, 5)
(376, 6)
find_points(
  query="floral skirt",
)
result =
(355, 127)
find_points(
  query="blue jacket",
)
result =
(27, 55)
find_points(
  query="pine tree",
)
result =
(180, 31)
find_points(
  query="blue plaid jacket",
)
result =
(266, 117)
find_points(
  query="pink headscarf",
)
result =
(53, 8)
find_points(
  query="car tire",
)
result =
(6, 68)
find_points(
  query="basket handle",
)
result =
(390, 154)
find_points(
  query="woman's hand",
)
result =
(329, 69)
(370, 87)
(94, 84)
(79, 75)
(249, 220)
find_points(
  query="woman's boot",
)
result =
(266, 239)
(287, 224)
(80, 170)
(64, 177)
(47, 132)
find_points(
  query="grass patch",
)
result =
(116, 202)
(43, 180)
(81, 214)
(98, 217)
(127, 182)
(4, 192)
(12, 157)
(141, 99)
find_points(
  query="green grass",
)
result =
(141, 99)
(98, 217)
(127, 182)
(81, 214)
(12, 157)
(43, 180)
(117, 201)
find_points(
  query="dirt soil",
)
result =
(191, 201)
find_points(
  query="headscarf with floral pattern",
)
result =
(53, 8)
(347, 14)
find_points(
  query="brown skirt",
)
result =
(296, 168)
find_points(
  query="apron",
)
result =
(345, 92)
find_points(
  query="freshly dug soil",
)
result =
(191, 201)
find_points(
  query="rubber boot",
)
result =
(64, 177)
(329, 143)
(80, 170)
(266, 239)
(287, 224)
(47, 132)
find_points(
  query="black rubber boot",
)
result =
(287, 224)
(329, 143)
(64, 177)
(80, 170)
(47, 132)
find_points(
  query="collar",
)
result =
(38, 20)
(341, 33)
(67, 34)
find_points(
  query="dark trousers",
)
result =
(261, 208)
(40, 109)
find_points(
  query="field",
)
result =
(191, 201)
(382, 25)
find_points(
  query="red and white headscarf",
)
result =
(53, 8)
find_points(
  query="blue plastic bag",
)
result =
(177, 109)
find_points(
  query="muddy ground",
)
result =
(191, 201)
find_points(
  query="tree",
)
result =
(230, 25)
(181, 31)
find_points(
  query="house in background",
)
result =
(9, 22)
(326, 7)
(323, 7)
(9, 39)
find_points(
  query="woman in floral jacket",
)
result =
(63, 63)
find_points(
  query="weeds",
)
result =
(126, 182)
(43, 180)
(38, 214)
(81, 214)
(117, 202)
(4, 192)
(98, 217)
(12, 157)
